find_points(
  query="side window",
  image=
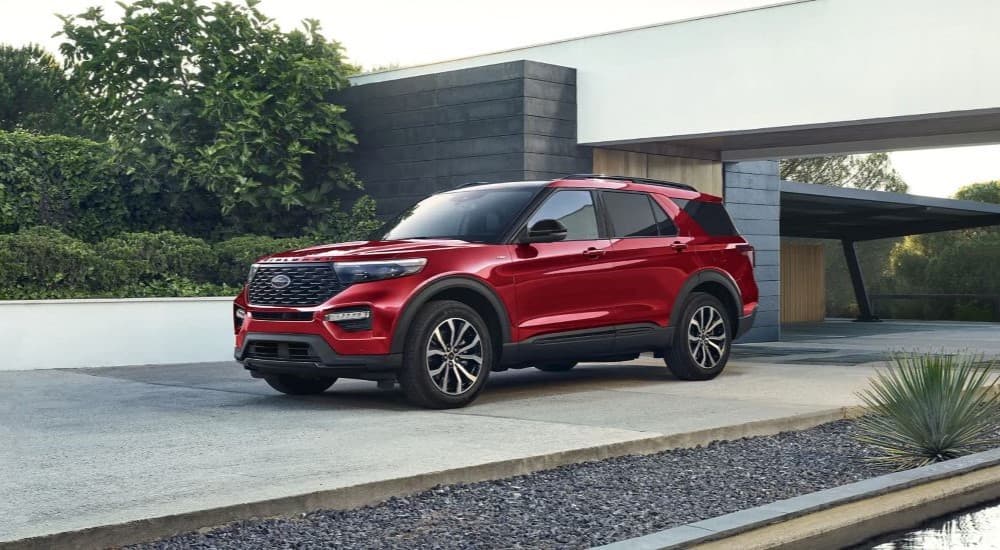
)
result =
(664, 224)
(631, 214)
(574, 209)
(711, 216)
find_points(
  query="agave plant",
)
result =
(930, 408)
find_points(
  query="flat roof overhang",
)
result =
(846, 214)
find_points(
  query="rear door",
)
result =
(648, 255)
(563, 286)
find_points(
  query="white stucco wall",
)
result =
(51, 334)
(807, 63)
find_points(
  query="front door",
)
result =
(562, 286)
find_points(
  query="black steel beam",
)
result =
(865, 313)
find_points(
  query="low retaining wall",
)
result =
(52, 334)
(843, 516)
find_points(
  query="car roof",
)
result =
(500, 185)
(601, 181)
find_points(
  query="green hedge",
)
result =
(75, 185)
(44, 263)
(60, 181)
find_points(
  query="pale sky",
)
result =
(409, 32)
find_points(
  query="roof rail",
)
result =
(630, 178)
(472, 184)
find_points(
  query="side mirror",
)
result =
(545, 231)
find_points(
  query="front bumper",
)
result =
(309, 355)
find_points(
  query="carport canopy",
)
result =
(852, 215)
(828, 212)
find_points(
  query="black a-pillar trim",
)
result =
(865, 313)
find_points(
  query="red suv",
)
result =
(488, 277)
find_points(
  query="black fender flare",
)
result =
(424, 295)
(704, 276)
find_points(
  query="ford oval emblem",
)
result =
(280, 281)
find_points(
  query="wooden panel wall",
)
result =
(704, 175)
(803, 283)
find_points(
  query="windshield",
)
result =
(473, 215)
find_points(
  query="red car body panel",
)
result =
(545, 287)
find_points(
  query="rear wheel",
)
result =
(702, 339)
(560, 366)
(448, 356)
(296, 385)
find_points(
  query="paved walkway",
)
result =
(87, 447)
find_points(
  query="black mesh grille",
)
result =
(281, 351)
(282, 315)
(308, 285)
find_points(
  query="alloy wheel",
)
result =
(707, 337)
(454, 356)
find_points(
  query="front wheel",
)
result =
(296, 385)
(702, 339)
(448, 356)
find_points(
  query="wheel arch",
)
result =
(714, 282)
(472, 292)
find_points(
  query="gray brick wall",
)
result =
(503, 122)
(753, 199)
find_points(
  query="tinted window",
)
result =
(711, 216)
(664, 224)
(474, 215)
(631, 214)
(574, 209)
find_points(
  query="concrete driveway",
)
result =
(88, 447)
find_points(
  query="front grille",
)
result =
(308, 284)
(281, 351)
(282, 315)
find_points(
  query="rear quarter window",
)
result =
(711, 216)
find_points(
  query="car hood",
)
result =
(367, 250)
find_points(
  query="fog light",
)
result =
(240, 314)
(351, 315)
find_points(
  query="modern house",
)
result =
(712, 102)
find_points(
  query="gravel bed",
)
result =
(575, 506)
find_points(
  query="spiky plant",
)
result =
(931, 407)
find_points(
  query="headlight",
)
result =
(253, 271)
(359, 272)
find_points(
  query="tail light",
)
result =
(749, 252)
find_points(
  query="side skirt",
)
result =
(613, 343)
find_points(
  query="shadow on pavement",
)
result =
(193, 385)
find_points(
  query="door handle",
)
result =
(593, 253)
(678, 246)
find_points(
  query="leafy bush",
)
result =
(235, 255)
(64, 182)
(930, 408)
(338, 226)
(140, 258)
(41, 262)
(217, 111)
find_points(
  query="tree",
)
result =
(216, 111)
(872, 171)
(987, 191)
(961, 261)
(33, 91)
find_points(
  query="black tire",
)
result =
(296, 385)
(449, 359)
(692, 354)
(560, 366)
